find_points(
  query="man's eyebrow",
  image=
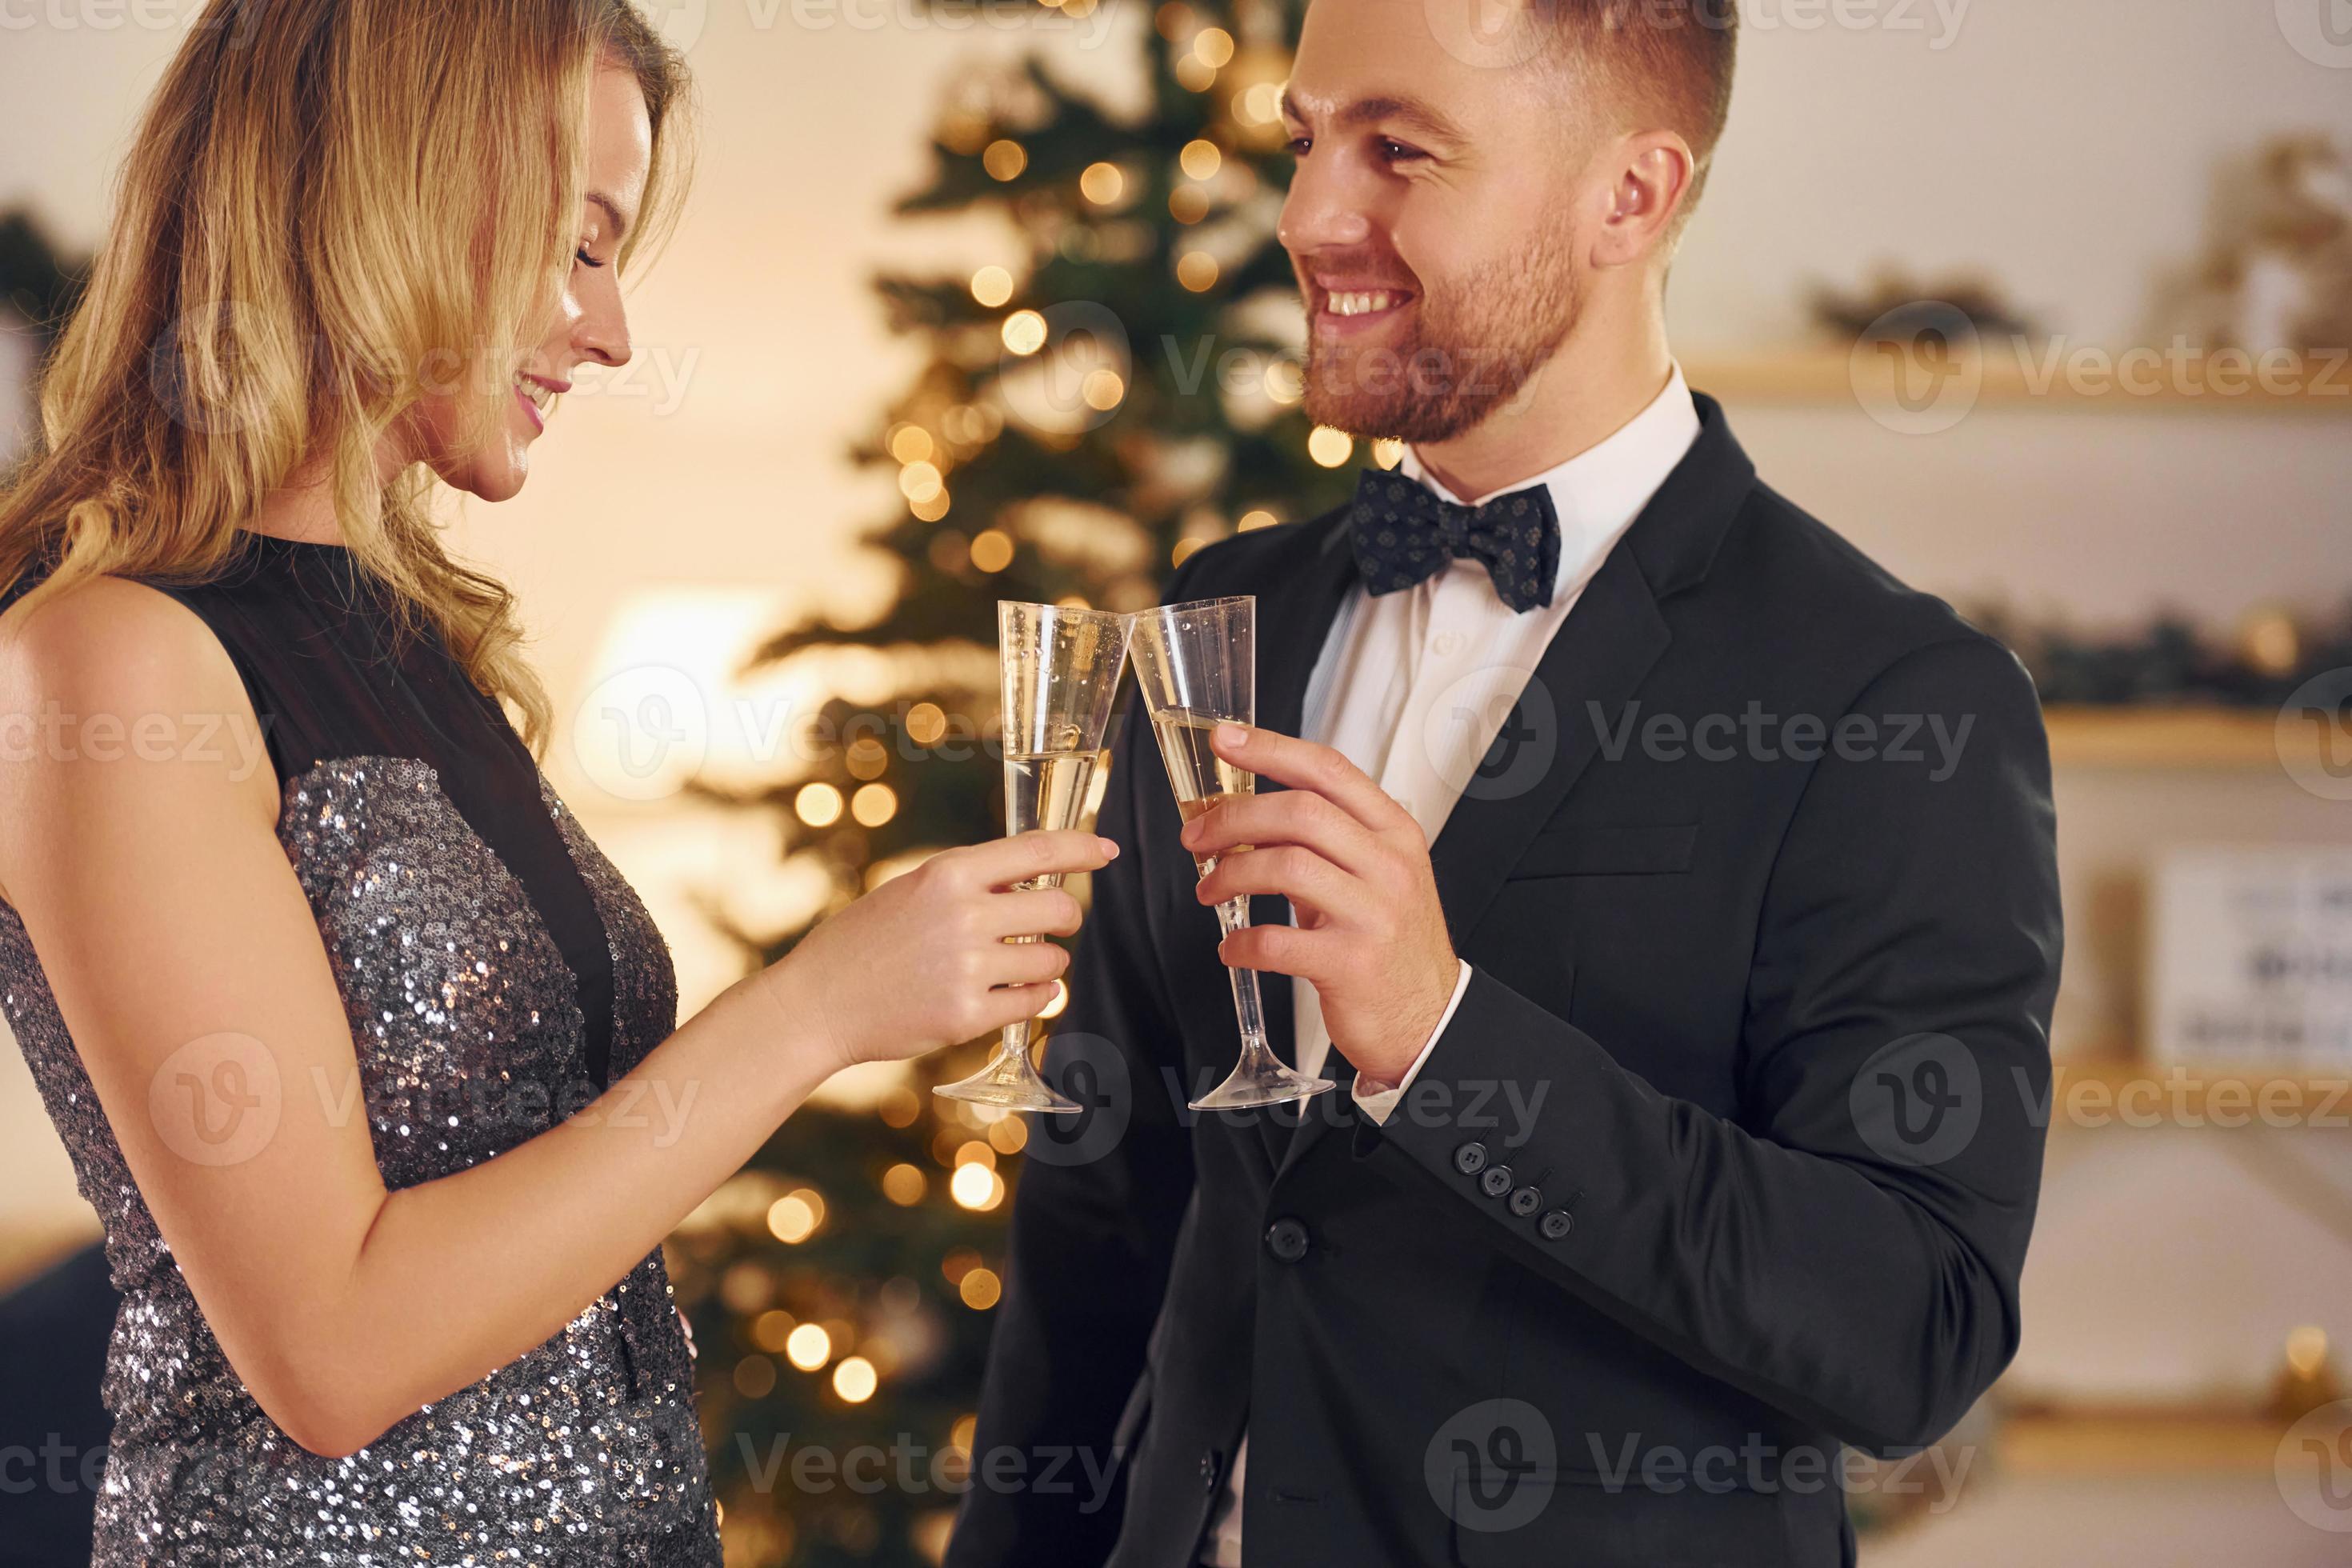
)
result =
(611, 210)
(1402, 111)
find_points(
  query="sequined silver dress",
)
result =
(497, 971)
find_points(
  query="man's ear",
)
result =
(1650, 180)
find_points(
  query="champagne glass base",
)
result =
(1249, 1087)
(1009, 1082)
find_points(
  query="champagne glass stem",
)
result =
(1248, 1007)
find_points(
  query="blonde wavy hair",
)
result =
(330, 205)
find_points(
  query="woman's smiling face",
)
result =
(485, 450)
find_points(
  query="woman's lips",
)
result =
(535, 393)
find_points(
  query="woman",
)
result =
(364, 1052)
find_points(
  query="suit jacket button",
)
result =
(1286, 1239)
(1209, 1472)
(1471, 1158)
(1525, 1201)
(1494, 1181)
(1555, 1224)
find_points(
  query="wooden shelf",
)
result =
(2096, 1095)
(2121, 737)
(2007, 376)
(2137, 1445)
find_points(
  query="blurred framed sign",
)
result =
(2249, 955)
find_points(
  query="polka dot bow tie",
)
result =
(1404, 533)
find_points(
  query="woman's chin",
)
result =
(493, 476)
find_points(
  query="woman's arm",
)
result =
(150, 878)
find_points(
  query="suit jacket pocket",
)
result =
(1601, 849)
(1562, 1519)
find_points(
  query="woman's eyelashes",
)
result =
(586, 257)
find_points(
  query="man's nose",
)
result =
(1323, 211)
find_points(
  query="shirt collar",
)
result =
(1598, 493)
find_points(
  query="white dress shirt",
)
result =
(1413, 688)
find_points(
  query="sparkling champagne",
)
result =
(1047, 789)
(1200, 777)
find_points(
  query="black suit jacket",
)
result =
(1727, 1158)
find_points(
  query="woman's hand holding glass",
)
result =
(926, 959)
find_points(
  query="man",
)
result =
(1671, 890)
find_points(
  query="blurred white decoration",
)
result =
(2278, 275)
(19, 351)
(2250, 955)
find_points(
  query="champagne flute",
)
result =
(1197, 664)
(1060, 667)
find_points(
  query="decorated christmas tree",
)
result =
(1116, 387)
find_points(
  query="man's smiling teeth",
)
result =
(540, 397)
(1362, 303)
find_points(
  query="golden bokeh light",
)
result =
(855, 1380)
(808, 1347)
(772, 1330)
(1197, 271)
(932, 507)
(976, 1187)
(1329, 447)
(926, 723)
(1024, 332)
(755, 1377)
(865, 757)
(1061, 999)
(1188, 204)
(992, 286)
(1256, 518)
(1183, 547)
(1102, 184)
(793, 1218)
(904, 1185)
(910, 443)
(1009, 1135)
(1213, 48)
(916, 480)
(1102, 389)
(974, 1152)
(992, 550)
(1195, 74)
(1003, 160)
(1284, 384)
(980, 1289)
(818, 804)
(1200, 159)
(874, 805)
(1388, 452)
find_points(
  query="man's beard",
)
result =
(1457, 363)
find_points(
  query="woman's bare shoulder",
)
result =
(110, 669)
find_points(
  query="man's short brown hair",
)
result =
(1670, 60)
